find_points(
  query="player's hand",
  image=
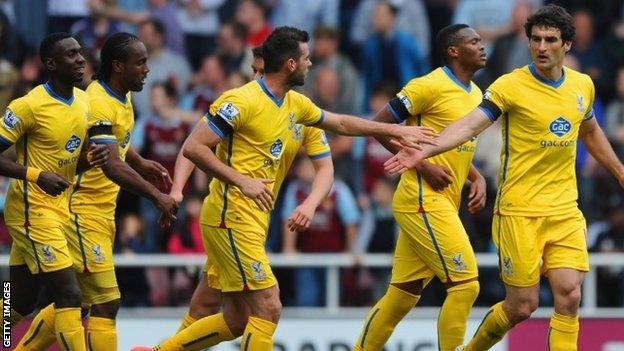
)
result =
(405, 159)
(257, 190)
(98, 155)
(415, 136)
(177, 195)
(52, 183)
(477, 197)
(437, 176)
(155, 173)
(168, 208)
(301, 218)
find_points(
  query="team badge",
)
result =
(276, 149)
(10, 120)
(297, 132)
(72, 144)
(507, 268)
(459, 262)
(228, 111)
(580, 103)
(98, 256)
(257, 271)
(291, 120)
(48, 255)
(560, 127)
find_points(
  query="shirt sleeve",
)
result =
(415, 97)
(347, 206)
(309, 114)
(101, 121)
(18, 120)
(315, 143)
(496, 99)
(230, 108)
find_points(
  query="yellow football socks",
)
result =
(563, 332)
(454, 315)
(204, 333)
(383, 318)
(102, 334)
(68, 328)
(258, 335)
(40, 334)
(492, 329)
(188, 320)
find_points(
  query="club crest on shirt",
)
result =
(291, 120)
(10, 120)
(228, 111)
(297, 132)
(48, 254)
(507, 268)
(276, 148)
(458, 261)
(258, 273)
(98, 256)
(560, 126)
(580, 103)
(73, 143)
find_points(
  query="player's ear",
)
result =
(118, 66)
(567, 45)
(291, 64)
(452, 51)
(50, 64)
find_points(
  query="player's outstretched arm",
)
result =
(150, 170)
(181, 172)
(301, 217)
(122, 174)
(599, 147)
(197, 148)
(452, 136)
(477, 195)
(354, 126)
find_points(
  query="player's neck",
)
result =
(276, 84)
(462, 73)
(552, 74)
(117, 87)
(63, 89)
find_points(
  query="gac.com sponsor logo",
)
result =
(555, 143)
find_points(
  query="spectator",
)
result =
(209, 83)
(164, 64)
(326, 55)
(200, 23)
(232, 47)
(412, 18)
(62, 14)
(390, 55)
(305, 15)
(333, 229)
(490, 18)
(164, 11)
(615, 111)
(132, 281)
(91, 32)
(252, 15)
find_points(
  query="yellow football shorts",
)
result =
(238, 258)
(432, 244)
(42, 247)
(90, 240)
(212, 277)
(529, 246)
(98, 287)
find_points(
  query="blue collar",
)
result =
(266, 90)
(112, 93)
(450, 74)
(53, 93)
(553, 83)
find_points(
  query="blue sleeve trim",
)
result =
(394, 114)
(320, 119)
(489, 113)
(216, 129)
(589, 115)
(318, 156)
(5, 142)
(103, 141)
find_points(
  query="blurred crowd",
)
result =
(363, 51)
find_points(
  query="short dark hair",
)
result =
(170, 89)
(281, 45)
(446, 37)
(159, 27)
(327, 32)
(116, 47)
(257, 52)
(238, 29)
(48, 44)
(552, 16)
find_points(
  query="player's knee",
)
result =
(469, 289)
(273, 309)
(106, 310)
(236, 323)
(569, 299)
(522, 310)
(199, 308)
(414, 287)
(68, 296)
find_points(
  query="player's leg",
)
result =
(409, 276)
(520, 250)
(25, 286)
(205, 301)
(565, 262)
(265, 310)
(101, 291)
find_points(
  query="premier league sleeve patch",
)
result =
(10, 120)
(228, 112)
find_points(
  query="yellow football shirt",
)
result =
(435, 101)
(255, 127)
(111, 121)
(541, 120)
(48, 132)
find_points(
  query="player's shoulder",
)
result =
(240, 95)
(576, 76)
(430, 79)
